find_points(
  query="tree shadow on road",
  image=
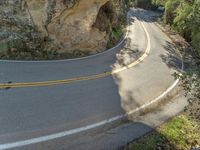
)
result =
(172, 58)
(129, 102)
(127, 55)
(145, 15)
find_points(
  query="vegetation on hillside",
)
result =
(180, 133)
(30, 30)
(184, 17)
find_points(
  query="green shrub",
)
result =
(170, 10)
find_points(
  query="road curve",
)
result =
(32, 112)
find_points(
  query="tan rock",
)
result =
(73, 27)
(37, 9)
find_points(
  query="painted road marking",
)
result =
(85, 128)
(73, 59)
(56, 82)
(85, 78)
(147, 51)
(81, 129)
(92, 126)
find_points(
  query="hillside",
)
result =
(46, 29)
(182, 15)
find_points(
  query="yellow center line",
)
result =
(54, 82)
(84, 78)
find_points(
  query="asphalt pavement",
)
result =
(32, 112)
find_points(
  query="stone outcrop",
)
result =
(59, 25)
(73, 28)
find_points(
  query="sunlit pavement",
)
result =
(29, 113)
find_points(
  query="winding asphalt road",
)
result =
(46, 101)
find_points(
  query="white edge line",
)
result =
(74, 59)
(85, 128)
(88, 127)
(147, 51)
(63, 60)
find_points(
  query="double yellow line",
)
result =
(53, 82)
(76, 79)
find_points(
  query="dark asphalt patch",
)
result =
(7, 88)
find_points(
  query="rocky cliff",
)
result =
(37, 28)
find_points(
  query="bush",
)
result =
(170, 11)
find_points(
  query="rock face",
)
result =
(59, 25)
(73, 28)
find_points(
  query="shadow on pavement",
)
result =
(172, 58)
(146, 120)
(126, 55)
